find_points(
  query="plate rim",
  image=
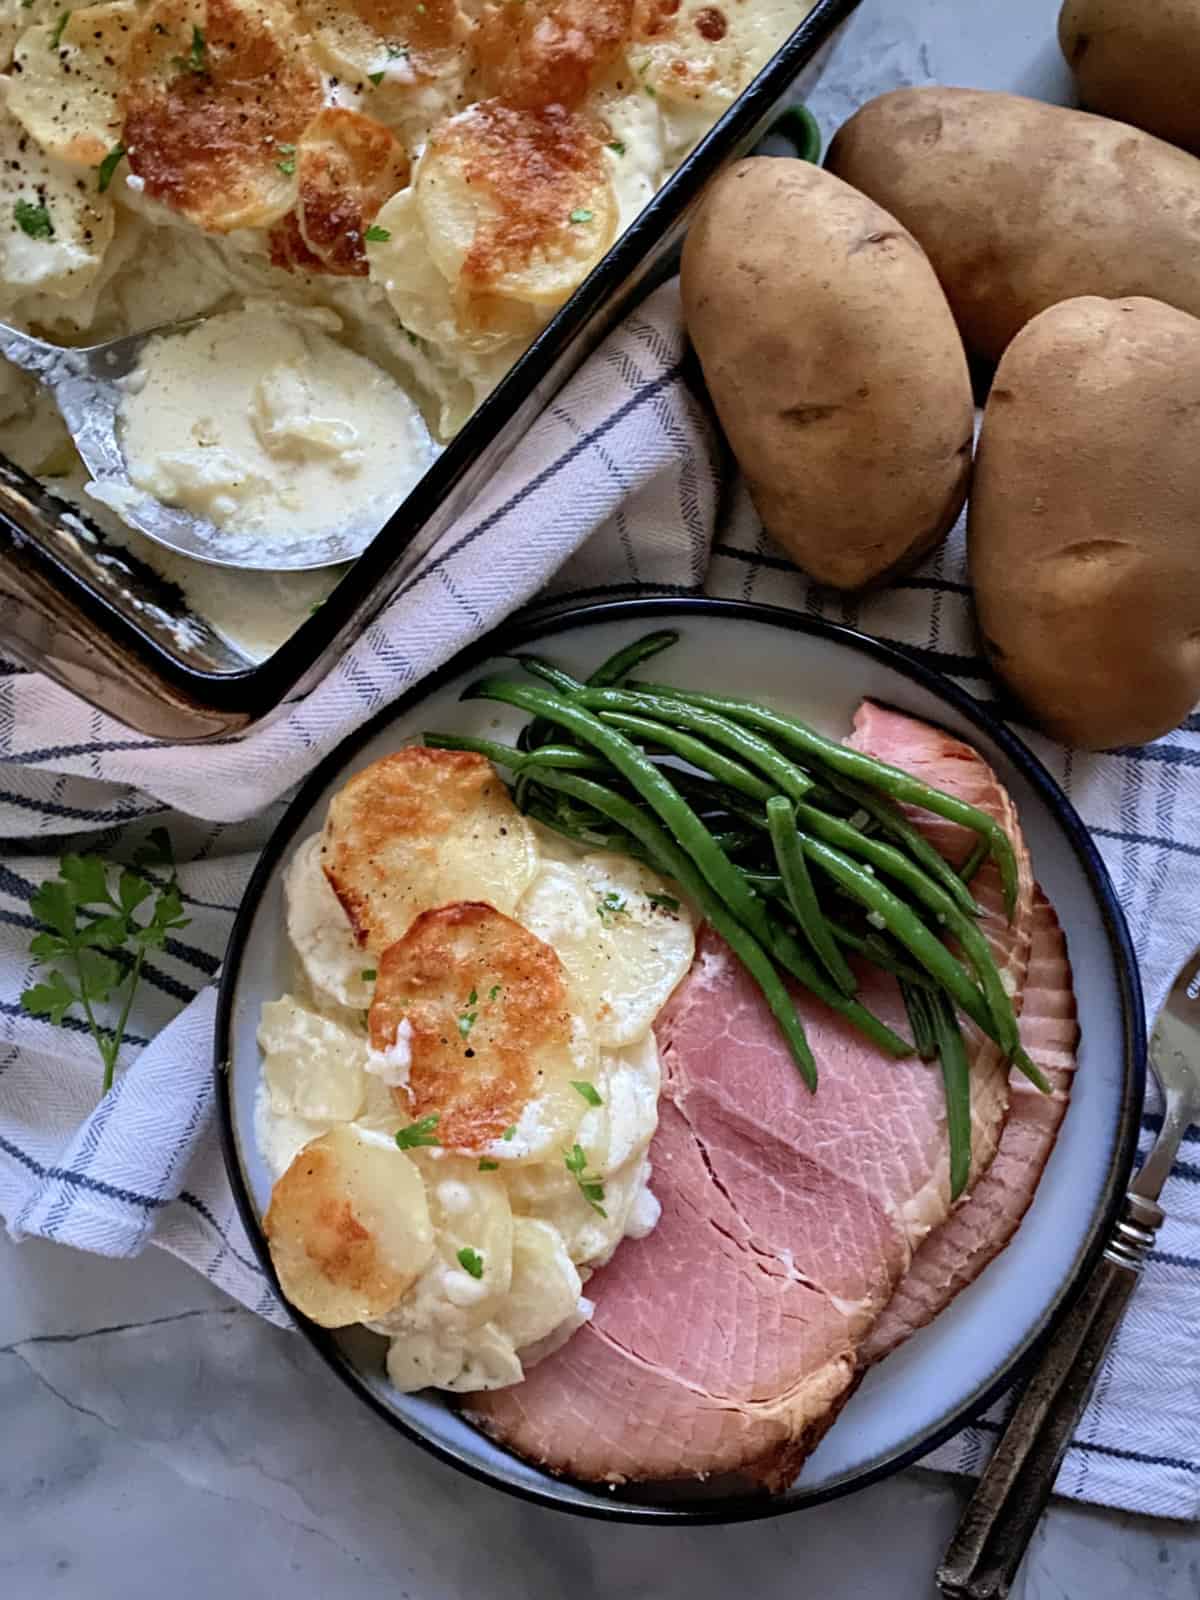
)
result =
(554, 619)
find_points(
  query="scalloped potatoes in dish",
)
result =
(435, 177)
(459, 1091)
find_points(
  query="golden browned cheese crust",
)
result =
(314, 1235)
(422, 828)
(537, 53)
(347, 166)
(485, 1000)
(214, 100)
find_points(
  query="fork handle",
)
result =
(1000, 1518)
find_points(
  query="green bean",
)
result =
(538, 667)
(919, 1020)
(956, 1076)
(886, 858)
(694, 751)
(881, 954)
(500, 755)
(906, 928)
(669, 859)
(789, 953)
(850, 763)
(801, 896)
(647, 781)
(973, 862)
(882, 811)
(569, 757)
(784, 774)
(632, 655)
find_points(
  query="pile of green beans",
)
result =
(783, 839)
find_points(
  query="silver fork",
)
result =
(86, 386)
(1000, 1518)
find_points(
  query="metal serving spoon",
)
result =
(85, 384)
(999, 1520)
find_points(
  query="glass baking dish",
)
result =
(98, 621)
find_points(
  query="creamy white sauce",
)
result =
(391, 1066)
(261, 422)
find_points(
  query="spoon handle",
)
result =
(1001, 1516)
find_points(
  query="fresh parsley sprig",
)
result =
(419, 1133)
(590, 1186)
(97, 923)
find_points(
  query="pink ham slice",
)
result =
(975, 1232)
(726, 1341)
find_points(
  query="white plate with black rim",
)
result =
(953, 1369)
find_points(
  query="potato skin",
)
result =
(1084, 525)
(1019, 205)
(834, 365)
(1137, 62)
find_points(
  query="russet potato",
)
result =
(1138, 63)
(834, 366)
(1019, 205)
(1084, 526)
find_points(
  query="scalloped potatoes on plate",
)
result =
(481, 1008)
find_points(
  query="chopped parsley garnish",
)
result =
(509, 1133)
(56, 37)
(494, 991)
(589, 1092)
(582, 214)
(489, 1166)
(471, 1261)
(469, 1017)
(106, 171)
(663, 902)
(286, 149)
(609, 907)
(377, 235)
(376, 78)
(617, 146)
(590, 1188)
(368, 974)
(419, 1133)
(196, 59)
(287, 166)
(33, 220)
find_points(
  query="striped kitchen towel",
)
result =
(620, 490)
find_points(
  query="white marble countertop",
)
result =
(159, 1441)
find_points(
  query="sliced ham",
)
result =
(726, 1341)
(976, 1231)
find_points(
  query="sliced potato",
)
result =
(349, 1228)
(414, 42)
(419, 829)
(492, 1042)
(473, 1224)
(622, 1126)
(545, 1286)
(485, 1359)
(347, 166)
(625, 940)
(54, 226)
(535, 53)
(550, 1193)
(215, 97)
(64, 87)
(313, 1067)
(424, 300)
(320, 932)
(700, 53)
(516, 203)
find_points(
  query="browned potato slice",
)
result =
(705, 52)
(516, 203)
(215, 97)
(63, 89)
(490, 1028)
(347, 166)
(348, 1226)
(548, 52)
(419, 829)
